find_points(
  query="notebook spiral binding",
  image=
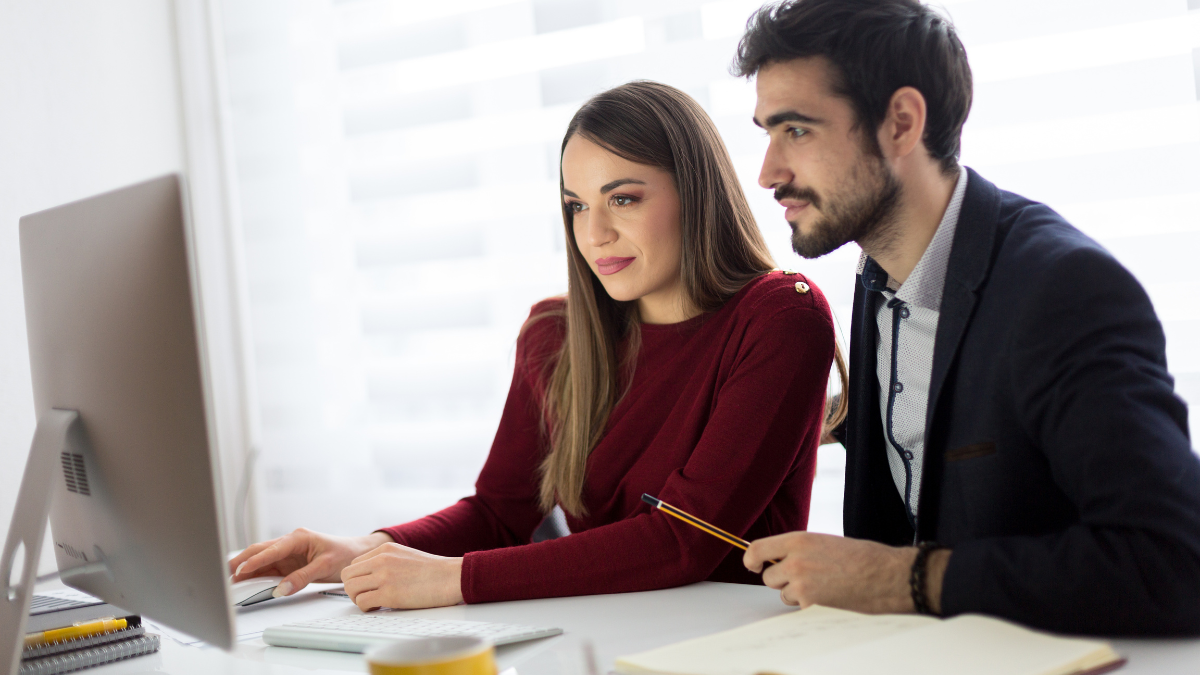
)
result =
(82, 655)
(82, 643)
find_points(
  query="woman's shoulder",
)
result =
(781, 291)
(542, 333)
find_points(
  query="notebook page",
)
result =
(771, 645)
(966, 644)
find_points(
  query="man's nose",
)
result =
(775, 171)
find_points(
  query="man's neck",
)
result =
(898, 246)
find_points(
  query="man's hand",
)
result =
(403, 578)
(854, 574)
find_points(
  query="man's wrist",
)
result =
(935, 573)
(925, 582)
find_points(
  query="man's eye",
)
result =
(796, 132)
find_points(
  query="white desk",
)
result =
(617, 625)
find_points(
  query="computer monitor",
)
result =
(120, 392)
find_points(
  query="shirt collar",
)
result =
(924, 286)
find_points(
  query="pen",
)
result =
(696, 522)
(79, 630)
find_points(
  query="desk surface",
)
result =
(616, 625)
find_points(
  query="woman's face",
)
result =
(626, 225)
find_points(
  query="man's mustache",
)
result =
(790, 191)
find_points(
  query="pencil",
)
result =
(696, 522)
(79, 630)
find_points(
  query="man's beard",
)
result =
(865, 213)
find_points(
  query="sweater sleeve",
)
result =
(1093, 387)
(766, 411)
(504, 509)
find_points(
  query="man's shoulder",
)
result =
(1037, 245)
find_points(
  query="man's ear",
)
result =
(904, 125)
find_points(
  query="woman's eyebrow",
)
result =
(570, 194)
(609, 187)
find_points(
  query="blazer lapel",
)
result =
(970, 263)
(872, 508)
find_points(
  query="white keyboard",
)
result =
(358, 632)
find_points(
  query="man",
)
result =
(1009, 394)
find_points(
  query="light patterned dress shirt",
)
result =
(907, 318)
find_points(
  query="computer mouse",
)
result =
(254, 591)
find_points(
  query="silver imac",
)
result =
(122, 459)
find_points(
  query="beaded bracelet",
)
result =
(916, 579)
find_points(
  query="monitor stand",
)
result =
(57, 430)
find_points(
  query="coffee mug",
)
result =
(434, 656)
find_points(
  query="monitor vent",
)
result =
(76, 474)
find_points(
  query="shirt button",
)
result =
(908, 454)
(897, 387)
(904, 312)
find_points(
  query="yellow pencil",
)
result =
(697, 523)
(79, 630)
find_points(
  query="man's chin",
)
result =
(814, 245)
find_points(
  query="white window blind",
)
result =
(397, 168)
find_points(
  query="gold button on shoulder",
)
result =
(801, 287)
(790, 272)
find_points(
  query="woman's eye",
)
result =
(576, 207)
(622, 200)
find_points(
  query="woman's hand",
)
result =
(303, 557)
(403, 578)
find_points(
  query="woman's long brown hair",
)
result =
(722, 249)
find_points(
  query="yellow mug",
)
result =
(434, 656)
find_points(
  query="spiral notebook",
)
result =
(95, 650)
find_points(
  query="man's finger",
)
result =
(768, 549)
(775, 577)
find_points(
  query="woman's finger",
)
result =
(369, 600)
(302, 577)
(361, 584)
(357, 569)
(236, 561)
(383, 548)
(278, 550)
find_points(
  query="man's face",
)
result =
(828, 174)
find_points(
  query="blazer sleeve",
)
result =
(1092, 389)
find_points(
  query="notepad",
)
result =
(825, 641)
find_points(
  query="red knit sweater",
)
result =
(722, 420)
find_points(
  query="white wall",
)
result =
(89, 101)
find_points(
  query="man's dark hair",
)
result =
(875, 48)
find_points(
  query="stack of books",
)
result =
(84, 645)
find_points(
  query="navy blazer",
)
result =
(1057, 462)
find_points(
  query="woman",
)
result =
(677, 365)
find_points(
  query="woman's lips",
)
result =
(613, 265)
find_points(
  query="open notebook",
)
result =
(824, 641)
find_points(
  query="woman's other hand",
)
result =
(403, 578)
(302, 557)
